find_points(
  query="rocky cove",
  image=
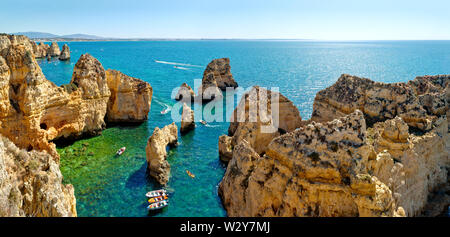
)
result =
(369, 149)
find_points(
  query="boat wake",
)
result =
(166, 107)
(211, 126)
(182, 68)
(180, 64)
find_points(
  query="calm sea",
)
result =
(106, 185)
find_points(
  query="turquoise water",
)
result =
(115, 186)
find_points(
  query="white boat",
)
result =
(121, 151)
(156, 193)
(158, 205)
(165, 111)
(203, 122)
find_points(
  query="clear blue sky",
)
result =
(296, 19)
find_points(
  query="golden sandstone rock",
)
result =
(130, 99)
(187, 119)
(31, 184)
(40, 50)
(219, 70)
(342, 167)
(185, 93)
(259, 129)
(216, 77)
(156, 152)
(54, 50)
(65, 53)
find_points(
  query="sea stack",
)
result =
(65, 53)
(220, 71)
(187, 119)
(130, 99)
(216, 77)
(54, 51)
(185, 93)
(156, 152)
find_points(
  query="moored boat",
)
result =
(158, 199)
(156, 193)
(158, 205)
(121, 151)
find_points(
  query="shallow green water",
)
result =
(109, 185)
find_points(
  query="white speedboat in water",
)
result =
(121, 151)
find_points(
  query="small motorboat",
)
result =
(158, 199)
(156, 193)
(158, 205)
(190, 174)
(165, 111)
(203, 122)
(121, 151)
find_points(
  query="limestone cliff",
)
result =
(40, 50)
(130, 99)
(257, 127)
(34, 111)
(381, 101)
(156, 152)
(341, 167)
(65, 53)
(31, 184)
(317, 170)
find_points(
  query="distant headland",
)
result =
(46, 37)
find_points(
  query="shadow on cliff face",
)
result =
(68, 141)
(124, 125)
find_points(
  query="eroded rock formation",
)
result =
(40, 50)
(187, 119)
(185, 93)
(54, 50)
(130, 99)
(219, 70)
(418, 102)
(341, 167)
(65, 53)
(156, 152)
(216, 77)
(259, 127)
(31, 184)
